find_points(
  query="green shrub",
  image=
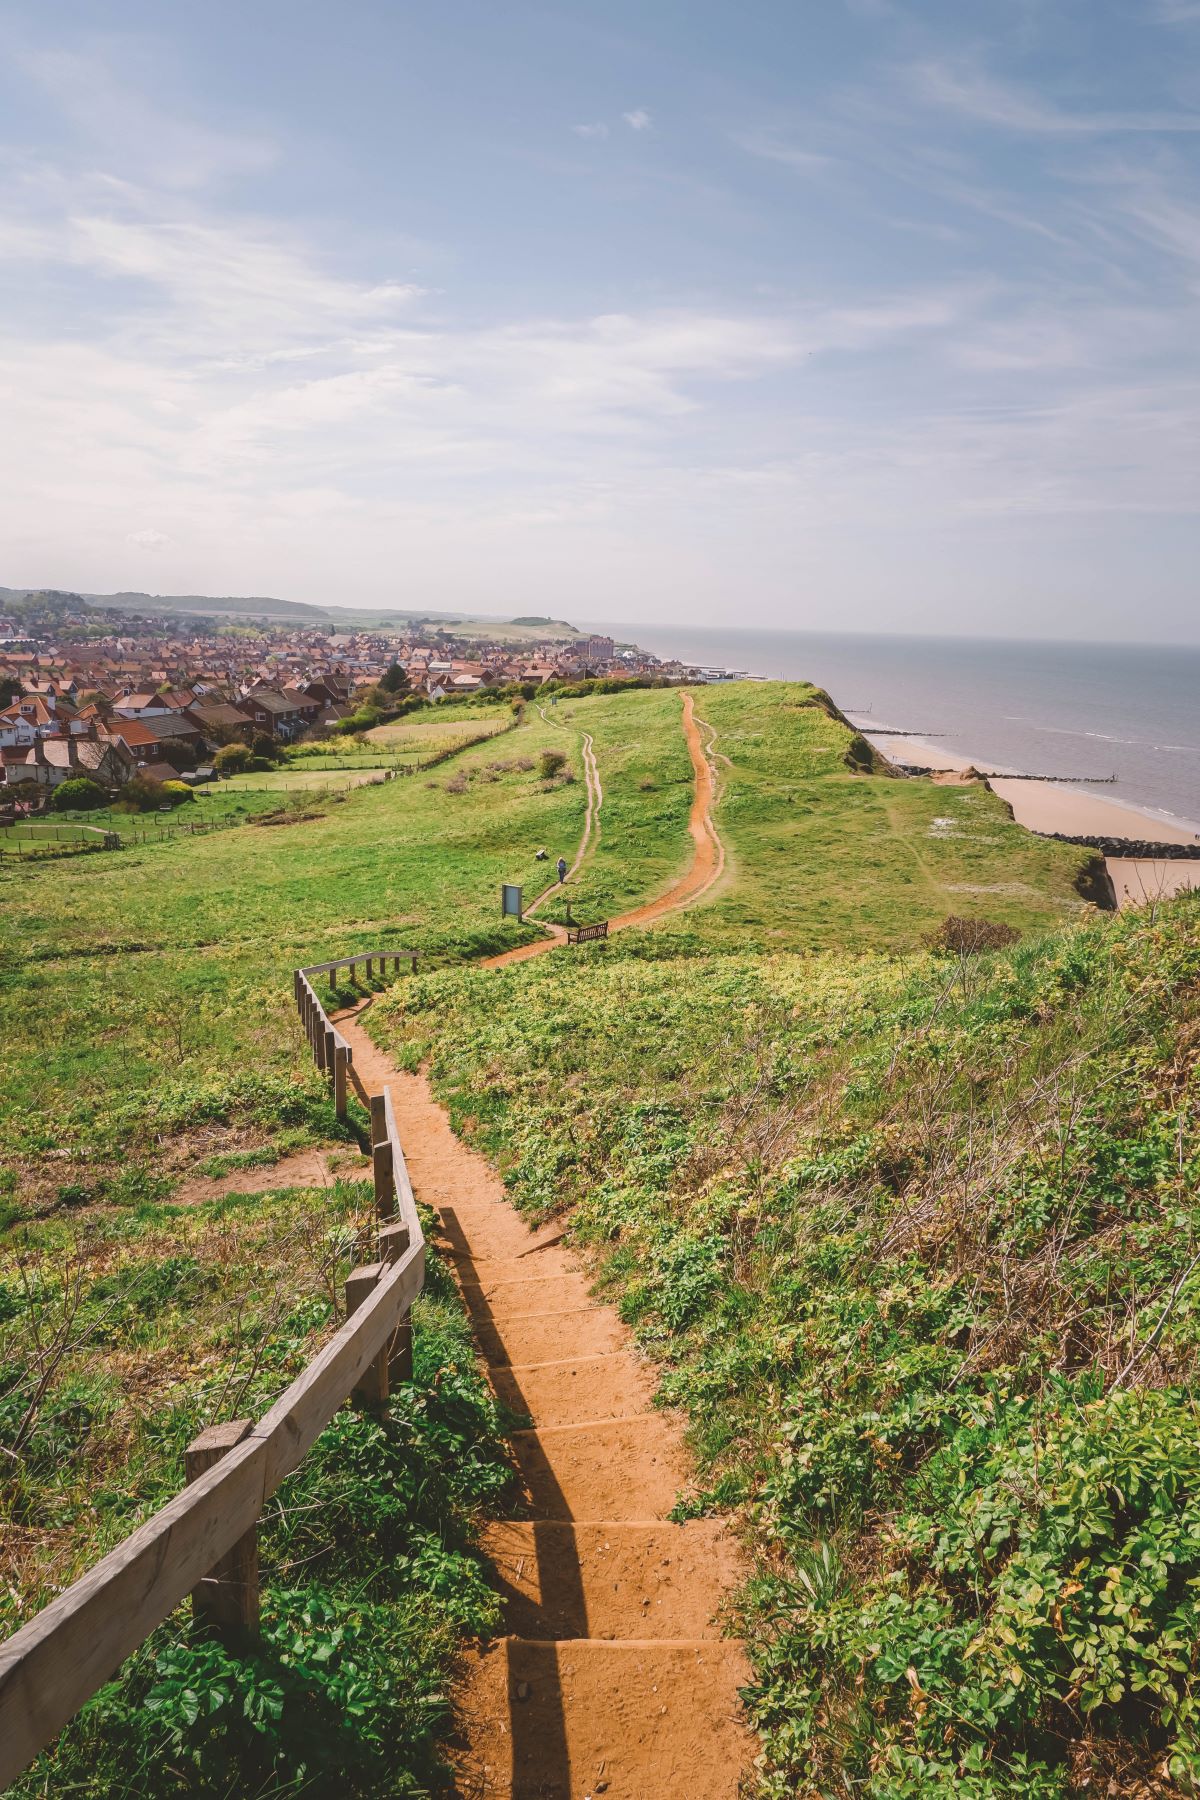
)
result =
(78, 794)
(143, 794)
(232, 759)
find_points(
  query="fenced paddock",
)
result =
(204, 1541)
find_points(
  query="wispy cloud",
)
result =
(120, 121)
(597, 130)
(638, 120)
(966, 89)
(773, 146)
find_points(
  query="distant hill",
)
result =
(300, 612)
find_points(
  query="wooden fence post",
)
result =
(414, 965)
(381, 1160)
(318, 1039)
(341, 1057)
(227, 1598)
(370, 966)
(330, 1053)
(384, 1177)
(393, 1242)
(372, 1388)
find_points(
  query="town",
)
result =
(107, 696)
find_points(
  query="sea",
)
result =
(1033, 707)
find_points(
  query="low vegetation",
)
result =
(370, 1582)
(910, 1227)
(917, 1244)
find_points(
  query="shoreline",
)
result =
(1048, 807)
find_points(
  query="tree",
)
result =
(233, 759)
(78, 794)
(395, 680)
(179, 753)
(264, 747)
(10, 689)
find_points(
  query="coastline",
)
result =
(1047, 807)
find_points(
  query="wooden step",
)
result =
(611, 1386)
(643, 1580)
(501, 1300)
(633, 1721)
(606, 1469)
(534, 1337)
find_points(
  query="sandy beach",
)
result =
(1047, 806)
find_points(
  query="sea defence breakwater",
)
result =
(1132, 849)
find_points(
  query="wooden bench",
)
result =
(587, 934)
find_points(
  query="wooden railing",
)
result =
(203, 1542)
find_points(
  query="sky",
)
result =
(831, 314)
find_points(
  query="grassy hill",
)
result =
(265, 607)
(916, 1243)
(893, 1224)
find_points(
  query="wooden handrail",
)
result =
(67, 1651)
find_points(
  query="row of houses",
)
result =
(50, 733)
(114, 695)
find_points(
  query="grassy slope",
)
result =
(824, 858)
(369, 1577)
(137, 985)
(646, 775)
(915, 1243)
(147, 1019)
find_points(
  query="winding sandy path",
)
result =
(612, 1677)
(705, 869)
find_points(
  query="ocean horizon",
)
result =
(1036, 706)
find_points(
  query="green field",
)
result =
(298, 778)
(915, 1243)
(147, 1034)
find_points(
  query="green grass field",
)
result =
(147, 1032)
(163, 972)
(298, 778)
(824, 858)
(914, 1241)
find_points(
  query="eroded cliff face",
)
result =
(860, 755)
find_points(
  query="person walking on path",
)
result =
(562, 869)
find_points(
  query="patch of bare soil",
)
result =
(306, 1169)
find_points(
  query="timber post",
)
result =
(227, 1597)
(341, 1057)
(372, 1386)
(384, 1177)
(393, 1242)
(382, 1162)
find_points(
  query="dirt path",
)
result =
(612, 1679)
(706, 867)
(591, 832)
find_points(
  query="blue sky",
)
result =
(841, 314)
